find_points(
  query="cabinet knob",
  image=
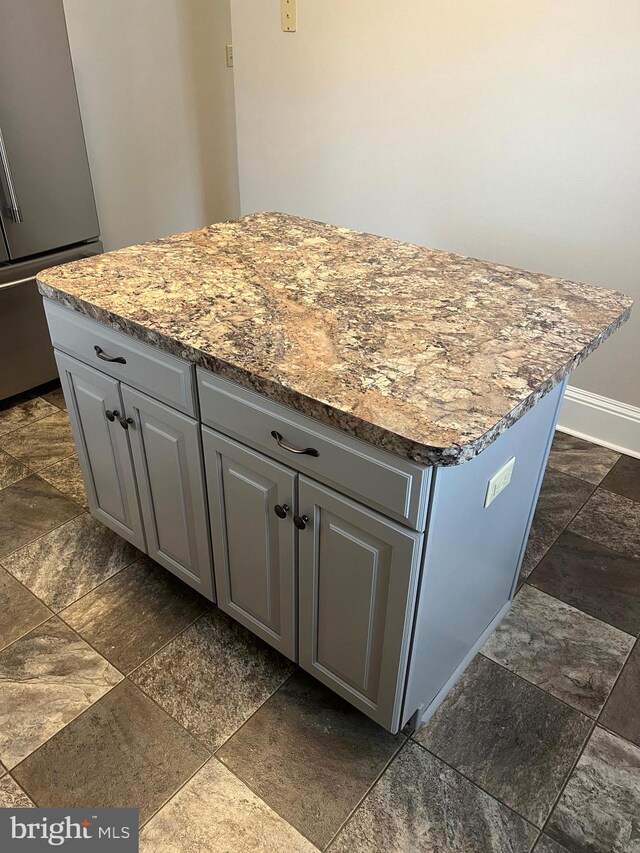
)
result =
(112, 415)
(301, 521)
(281, 510)
(124, 422)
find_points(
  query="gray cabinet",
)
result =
(103, 448)
(356, 571)
(168, 467)
(358, 574)
(253, 545)
(142, 466)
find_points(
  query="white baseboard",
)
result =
(601, 420)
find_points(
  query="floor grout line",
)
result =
(175, 637)
(602, 710)
(369, 790)
(569, 777)
(11, 431)
(537, 686)
(81, 511)
(96, 587)
(476, 784)
(572, 606)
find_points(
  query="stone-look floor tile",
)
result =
(47, 678)
(581, 458)
(537, 547)
(67, 478)
(548, 845)
(12, 796)
(305, 738)
(611, 520)
(70, 560)
(28, 509)
(599, 808)
(19, 414)
(624, 478)
(20, 611)
(56, 398)
(622, 712)
(124, 751)
(422, 806)
(41, 443)
(216, 813)
(595, 579)
(11, 470)
(132, 615)
(213, 677)
(511, 738)
(560, 499)
(563, 650)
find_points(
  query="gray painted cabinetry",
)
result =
(142, 467)
(102, 448)
(379, 576)
(254, 548)
(358, 574)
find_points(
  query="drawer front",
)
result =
(394, 486)
(162, 376)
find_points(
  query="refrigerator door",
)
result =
(44, 172)
(26, 354)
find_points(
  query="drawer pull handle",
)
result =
(112, 415)
(301, 521)
(281, 510)
(101, 354)
(310, 451)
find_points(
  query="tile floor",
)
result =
(121, 686)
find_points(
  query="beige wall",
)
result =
(157, 105)
(502, 129)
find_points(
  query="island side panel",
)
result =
(473, 555)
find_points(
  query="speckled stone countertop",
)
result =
(427, 354)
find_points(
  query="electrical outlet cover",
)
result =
(499, 482)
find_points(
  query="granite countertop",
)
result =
(427, 354)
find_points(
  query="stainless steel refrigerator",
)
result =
(47, 209)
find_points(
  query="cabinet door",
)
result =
(168, 464)
(358, 576)
(103, 447)
(254, 548)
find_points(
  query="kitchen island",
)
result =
(338, 437)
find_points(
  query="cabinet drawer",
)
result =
(388, 483)
(162, 376)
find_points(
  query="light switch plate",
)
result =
(499, 481)
(289, 15)
(229, 53)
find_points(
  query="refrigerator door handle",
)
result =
(13, 208)
(19, 281)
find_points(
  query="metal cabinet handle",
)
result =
(281, 510)
(310, 451)
(301, 521)
(124, 422)
(13, 209)
(112, 415)
(101, 354)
